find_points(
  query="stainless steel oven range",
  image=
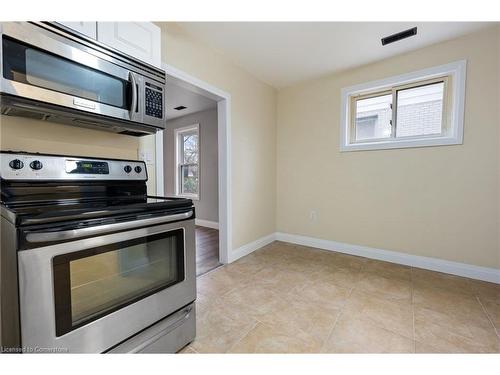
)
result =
(89, 263)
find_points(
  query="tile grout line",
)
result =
(206, 274)
(336, 320)
(210, 270)
(331, 331)
(487, 315)
(257, 322)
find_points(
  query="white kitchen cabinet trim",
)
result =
(86, 28)
(141, 40)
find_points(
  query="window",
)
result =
(188, 161)
(423, 108)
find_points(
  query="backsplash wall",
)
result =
(21, 134)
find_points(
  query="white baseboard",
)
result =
(251, 247)
(434, 264)
(207, 223)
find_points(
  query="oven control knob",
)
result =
(127, 168)
(16, 164)
(36, 165)
(138, 169)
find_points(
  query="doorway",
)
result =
(193, 160)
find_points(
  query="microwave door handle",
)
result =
(133, 104)
(101, 229)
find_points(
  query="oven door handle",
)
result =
(101, 229)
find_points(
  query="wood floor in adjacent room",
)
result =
(207, 249)
(293, 299)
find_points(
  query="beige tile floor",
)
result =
(293, 299)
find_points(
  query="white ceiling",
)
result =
(284, 53)
(182, 94)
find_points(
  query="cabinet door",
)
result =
(86, 28)
(141, 40)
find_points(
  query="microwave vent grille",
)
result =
(9, 111)
(22, 107)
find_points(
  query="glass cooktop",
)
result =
(70, 209)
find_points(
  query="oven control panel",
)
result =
(87, 167)
(31, 166)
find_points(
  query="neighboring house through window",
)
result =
(187, 144)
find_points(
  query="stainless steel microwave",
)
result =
(50, 73)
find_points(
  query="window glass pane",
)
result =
(102, 282)
(420, 110)
(373, 117)
(190, 179)
(190, 148)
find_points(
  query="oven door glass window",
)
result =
(92, 283)
(32, 66)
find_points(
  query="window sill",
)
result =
(404, 143)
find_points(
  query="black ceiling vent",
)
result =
(180, 108)
(398, 36)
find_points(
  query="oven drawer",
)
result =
(167, 336)
(90, 294)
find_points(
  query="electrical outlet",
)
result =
(313, 216)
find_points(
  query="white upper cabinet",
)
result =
(141, 40)
(86, 28)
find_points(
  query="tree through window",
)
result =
(188, 181)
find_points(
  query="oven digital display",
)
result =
(87, 167)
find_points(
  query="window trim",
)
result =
(453, 108)
(177, 133)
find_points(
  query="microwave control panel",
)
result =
(154, 101)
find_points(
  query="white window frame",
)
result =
(178, 157)
(454, 75)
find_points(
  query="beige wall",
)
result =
(253, 132)
(439, 202)
(21, 134)
(498, 121)
(147, 143)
